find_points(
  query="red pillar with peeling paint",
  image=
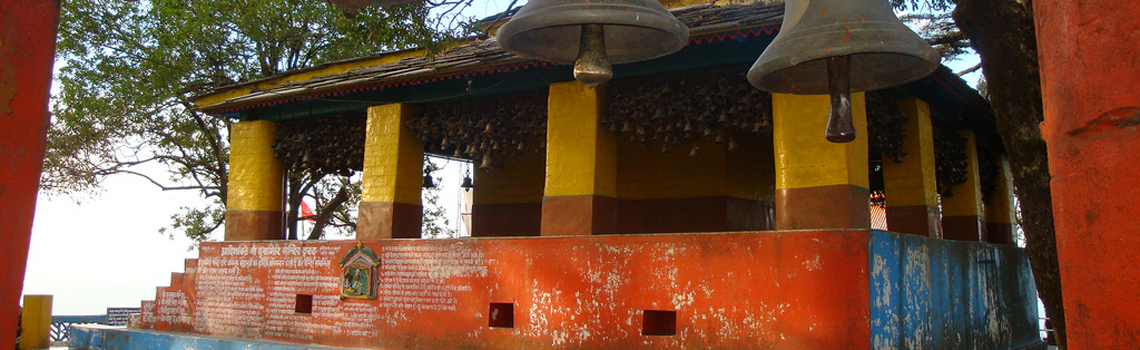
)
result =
(27, 49)
(1090, 67)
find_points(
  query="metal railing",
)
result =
(61, 325)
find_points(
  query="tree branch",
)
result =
(327, 212)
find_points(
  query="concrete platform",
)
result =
(99, 337)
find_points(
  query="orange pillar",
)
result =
(390, 204)
(910, 186)
(1090, 67)
(581, 177)
(819, 184)
(962, 215)
(254, 201)
(1001, 211)
(27, 49)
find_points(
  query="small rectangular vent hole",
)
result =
(502, 315)
(304, 304)
(659, 322)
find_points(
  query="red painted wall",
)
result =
(797, 290)
(1090, 68)
(27, 49)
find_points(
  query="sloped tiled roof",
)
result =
(708, 22)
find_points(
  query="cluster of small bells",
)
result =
(485, 130)
(886, 126)
(949, 158)
(886, 132)
(678, 111)
(987, 175)
(332, 145)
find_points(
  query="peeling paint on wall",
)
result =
(785, 290)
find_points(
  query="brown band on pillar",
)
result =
(919, 220)
(578, 215)
(702, 214)
(750, 215)
(835, 206)
(382, 220)
(1000, 233)
(964, 228)
(506, 219)
(253, 225)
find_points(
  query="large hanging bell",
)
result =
(607, 32)
(884, 52)
(838, 46)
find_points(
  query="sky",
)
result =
(106, 251)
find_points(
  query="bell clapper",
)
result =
(592, 66)
(840, 127)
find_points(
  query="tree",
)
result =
(1002, 32)
(131, 68)
(435, 223)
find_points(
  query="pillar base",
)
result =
(836, 206)
(916, 220)
(253, 225)
(704, 214)
(506, 219)
(1000, 233)
(382, 220)
(578, 215)
(964, 228)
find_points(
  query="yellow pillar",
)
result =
(581, 182)
(254, 199)
(962, 216)
(911, 186)
(508, 201)
(1001, 212)
(819, 184)
(390, 204)
(35, 320)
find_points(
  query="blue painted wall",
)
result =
(939, 294)
(108, 338)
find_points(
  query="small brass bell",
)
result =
(488, 162)
(839, 46)
(610, 32)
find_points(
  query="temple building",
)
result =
(673, 207)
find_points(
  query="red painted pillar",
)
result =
(27, 50)
(1090, 68)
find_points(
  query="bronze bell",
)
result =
(428, 181)
(467, 183)
(608, 32)
(487, 163)
(838, 46)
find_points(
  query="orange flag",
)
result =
(307, 213)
